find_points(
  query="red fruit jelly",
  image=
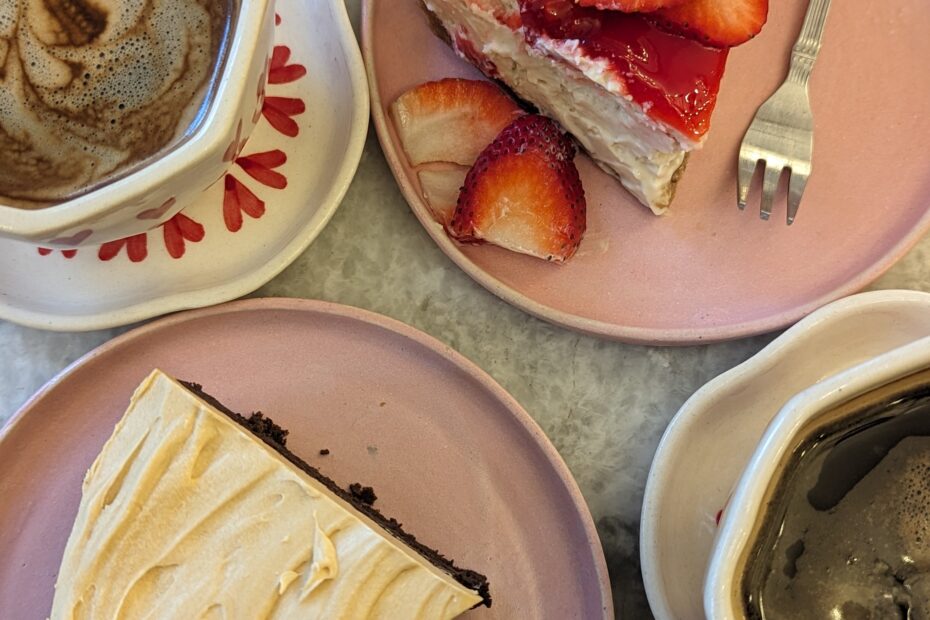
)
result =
(674, 78)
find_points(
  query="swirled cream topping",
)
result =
(89, 88)
(187, 515)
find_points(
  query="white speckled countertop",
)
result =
(603, 404)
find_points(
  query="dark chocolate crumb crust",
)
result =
(366, 495)
(360, 497)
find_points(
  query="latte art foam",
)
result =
(90, 88)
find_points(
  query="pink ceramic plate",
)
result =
(450, 454)
(706, 271)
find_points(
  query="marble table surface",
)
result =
(603, 404)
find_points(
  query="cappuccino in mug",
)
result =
(93, 89)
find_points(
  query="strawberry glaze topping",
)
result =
(674, 78)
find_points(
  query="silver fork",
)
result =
(781, 136)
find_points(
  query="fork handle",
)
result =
(807, 46)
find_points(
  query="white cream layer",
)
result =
(587, 98)
(186, 515)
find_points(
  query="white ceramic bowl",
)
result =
(795, 422)
(153, 194)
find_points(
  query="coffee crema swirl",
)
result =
(91, 88)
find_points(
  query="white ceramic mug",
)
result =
(157, 191)
(794, 423)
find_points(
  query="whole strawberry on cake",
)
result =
(635, 81)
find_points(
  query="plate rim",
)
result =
(703, 399)
(674, 336)
(394, 326)
(251, 280)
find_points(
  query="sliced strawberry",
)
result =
(451, 120)
(441, 188)
(720, 23)
(524, 193)
(629, 6)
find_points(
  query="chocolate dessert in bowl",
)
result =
(116, 115)
(830, 518)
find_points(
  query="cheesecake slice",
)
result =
(636, 96)
(193, 511)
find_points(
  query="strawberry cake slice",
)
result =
(636, 89)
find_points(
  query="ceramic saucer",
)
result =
(710, 440)
(283, 188)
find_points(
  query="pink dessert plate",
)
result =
(450, 454)
(284, 186)
(706, 271)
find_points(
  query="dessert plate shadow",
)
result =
(710, 440)
(282, 190)
(706, 271)
(450, 454)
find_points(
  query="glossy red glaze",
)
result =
(674, 78)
